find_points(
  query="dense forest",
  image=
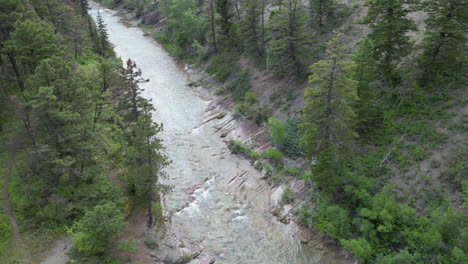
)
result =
(74, 116)
(369, 108)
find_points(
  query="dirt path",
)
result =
(12, 147)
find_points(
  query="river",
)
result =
(226, 216)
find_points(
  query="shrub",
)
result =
(95, 233)
(187, 258)
(360, 247)
(291, 146)
(457, 167)
(237, 147)
(294, 172)
(150, 241)
(288, 196)
(239, 86)
(333, 220)
(223, 65)
(273, 154)
(278, 132)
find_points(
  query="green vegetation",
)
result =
(374, 116)
(381, 132)
(78, 116)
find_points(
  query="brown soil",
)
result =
(136, 229)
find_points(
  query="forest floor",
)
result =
(12, 147)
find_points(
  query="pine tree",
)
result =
(61, 105)
(290, 40)
(130, 100)
(321, 11)
(184, 25)
(66, 154)
(227, 35)
(389, 22)
(251, 27)
(98, 230)
(145, 158)
(210, 23)
(84, 7)
(102, 44)
(444, 43)
(31, 42)
(364, 73)
(11, 11)
(328, 116)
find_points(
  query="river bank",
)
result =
(220, 207)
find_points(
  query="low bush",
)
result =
(288, 196)
(273, 154)
(223, 65)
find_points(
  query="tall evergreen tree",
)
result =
(31, 42)
(10, 12)
(102, 44)
(84, 7)
(390, 25)
(328, 115)
(227, 35)
(321, 11)
(444, 43)
(290, 40)
(251, 27)
(364, 73)
(210, 21)
(145, 158)
(60, 104)
(130, 100)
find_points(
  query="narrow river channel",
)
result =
(226, 216)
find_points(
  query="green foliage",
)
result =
(390, 24)
(227, 37)
(31, 42)
(184, 27)
(95, 233)
(287, 196)
(128, 246)
(150, 241)
(5, 233)
(322, 11)
(273, 154)
(187, 258)
(290, 40)
(443, 55)
(223, 65)
(251, 28)
(368, 115)
(333, 220)
(328, 115)
(237, 147)
(291, 146)
(360, 248)
(239, 85)
(250, 109)
(457, 167)
(278, 131)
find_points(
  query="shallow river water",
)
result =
(226, 216)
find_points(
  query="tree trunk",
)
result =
(17, 73)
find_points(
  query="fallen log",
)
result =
(385, 158)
